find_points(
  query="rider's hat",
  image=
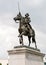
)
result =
(26, 14)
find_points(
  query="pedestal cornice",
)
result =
(26, 49)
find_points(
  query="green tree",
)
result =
(44, 63)
(7, 63)
(0, 63)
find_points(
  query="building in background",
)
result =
(3, 62)
(45, 60)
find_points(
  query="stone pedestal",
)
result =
(24, 55)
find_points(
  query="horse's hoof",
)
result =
(36, 47)
(22, 44)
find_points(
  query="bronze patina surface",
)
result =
(25, 28)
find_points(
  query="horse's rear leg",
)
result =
(29, 38)
(34, 41)
(35, 45)
(22, 40)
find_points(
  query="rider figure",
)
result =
(27, 18)
(27, 21)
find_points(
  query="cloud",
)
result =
(32, 3)
(8, 34)
(8, 39)
(11, 6)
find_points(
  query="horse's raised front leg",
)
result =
(21, 40)
(21, 34)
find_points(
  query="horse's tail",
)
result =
(33, 40)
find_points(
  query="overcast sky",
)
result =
(9, 29)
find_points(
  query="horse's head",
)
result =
(18, 17)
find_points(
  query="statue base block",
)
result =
(24, 55)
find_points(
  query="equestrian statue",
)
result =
(25, 28)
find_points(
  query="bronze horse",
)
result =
(23, 30)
